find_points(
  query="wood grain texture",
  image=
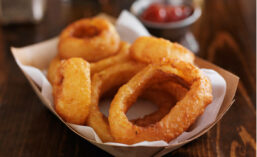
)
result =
(226, 34)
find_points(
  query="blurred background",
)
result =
(224, 34)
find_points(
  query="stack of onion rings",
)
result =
(118, 75)
(180, 117)
(152, 68)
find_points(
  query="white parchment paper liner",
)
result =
(34, 60)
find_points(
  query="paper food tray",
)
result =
(35, 56)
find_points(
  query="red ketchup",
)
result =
(162, 13)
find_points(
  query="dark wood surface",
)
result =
(226, 34)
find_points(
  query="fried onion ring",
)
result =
(52, 69)
(175, 89)
(115, 76)
(162, 99)
(72, 90)
(120, 57)
(156, 50)
(92, 39)
(180, 117)
(168, 94)
(101, 82)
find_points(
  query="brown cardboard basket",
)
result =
(34, 55)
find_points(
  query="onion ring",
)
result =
(101, 82)
(168, 94)
(121, 57)
(162, 99)
(53, 68)
(175, 89)
(115, 76)
(92, 39)
(156, 50)
(72, 90)
(180, 117)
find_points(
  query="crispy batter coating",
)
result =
(164, 95)
(157, 50)
(162, 99)
(115, 76)
(173, 88)
(101, 82)
(152, 68)
(92, 39)
(120, 57)
(72, 90)
(52, 69)
(179, 118)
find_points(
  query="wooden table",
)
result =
(226, 34)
